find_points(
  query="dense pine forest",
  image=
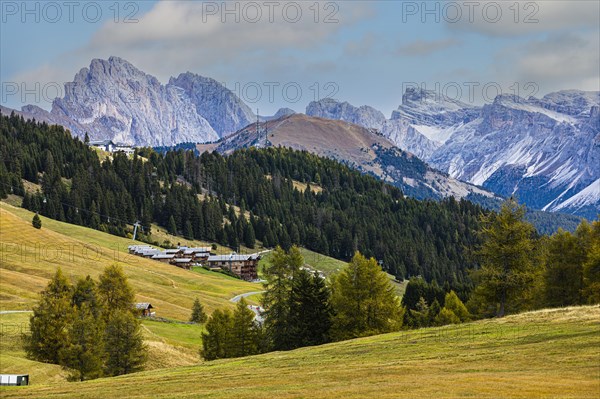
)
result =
(281, 197)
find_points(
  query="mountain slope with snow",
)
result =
(544, 151)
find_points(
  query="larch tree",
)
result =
(49, 324)
(124, 344)
(125, 349)
(83, 354)
(364, 301)
(115, 292)
(456, 306)
(507, 253)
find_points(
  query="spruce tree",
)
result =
(249, 237)
(244, 338)
(36, 221)
(310, 310)
(591, 268)
(276, 298)
(172, 226)
(564, 269)
(198, 314)
(433, 312)
(217, 340)
(188, 231)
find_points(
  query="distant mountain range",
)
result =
(112, 99)
(544, 151)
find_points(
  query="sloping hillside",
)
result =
(30, 257)
(545, 354)
(353, 145)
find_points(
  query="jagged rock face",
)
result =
(225, 112)
(403, 134)
(545, 152)
(329, 108)
(114, 100)
(433, 115)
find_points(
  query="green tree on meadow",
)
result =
(49, 324)
(421, 315)
(310, 310)
(564, 269)
(125, 349)
(364, 301)
(36, 221)
(83, 353)
(507, 270)
(198, 314)
(591, 267)
(433, 312)
(86, 292)
(216, 341)
(276, 298)
(124, 344)
(243, 333)
(456, 306)
(446, 316)
(115, 292)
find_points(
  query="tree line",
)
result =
(518, 270)
(273, 196)
(88, 328)
(521, 270)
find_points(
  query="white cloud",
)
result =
(515, 18)
(179, 36)
(560, 61)
(185, 35)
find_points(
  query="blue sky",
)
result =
(367, 52)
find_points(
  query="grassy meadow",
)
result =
(544, 354)
(30, 257)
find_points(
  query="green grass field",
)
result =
(545, 354)
(12, 355)
(30, 257)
